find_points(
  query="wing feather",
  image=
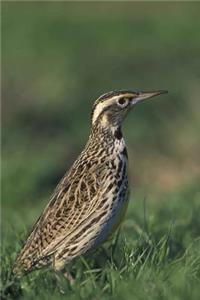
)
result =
(74, 199)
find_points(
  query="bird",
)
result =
(90, 201)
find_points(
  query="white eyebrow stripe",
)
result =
(98, 110)
(101, 106)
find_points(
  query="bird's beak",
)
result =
(145, 95)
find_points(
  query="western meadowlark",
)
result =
(91, 199)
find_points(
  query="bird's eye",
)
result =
(123, 102)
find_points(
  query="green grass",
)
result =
(156, 253)
(57, 58)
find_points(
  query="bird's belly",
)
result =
(118, 219)
(113, 220)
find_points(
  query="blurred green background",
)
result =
(57, 58)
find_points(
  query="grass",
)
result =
(156, 253)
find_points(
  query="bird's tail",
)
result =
(22, 266)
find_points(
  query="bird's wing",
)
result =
(74, 199)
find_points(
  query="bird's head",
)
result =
(110, 109)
